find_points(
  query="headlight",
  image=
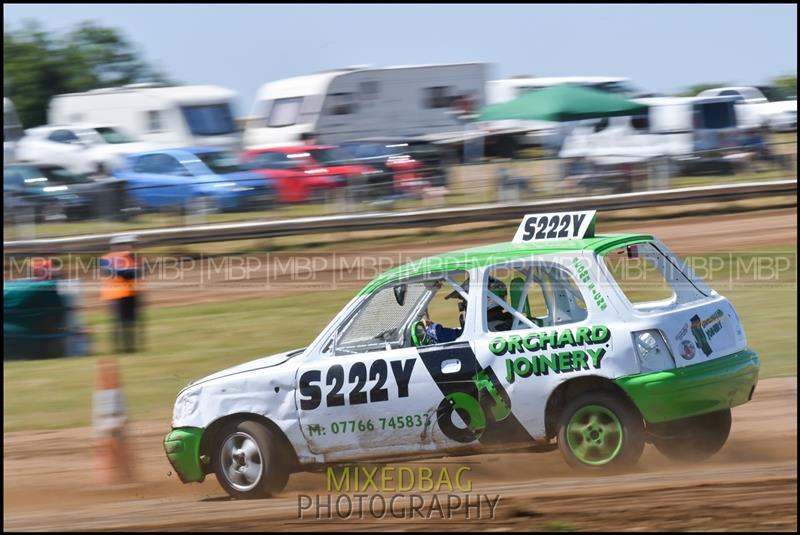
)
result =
(652, 351)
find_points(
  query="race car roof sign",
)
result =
(556, 226)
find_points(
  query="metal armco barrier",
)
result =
(407, 219)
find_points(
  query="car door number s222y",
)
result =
(311, 384)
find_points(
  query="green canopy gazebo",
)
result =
(562, 103)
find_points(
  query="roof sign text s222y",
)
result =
(556, 226)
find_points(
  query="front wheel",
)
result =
(693, 439)
(599, 430)
(248, 461)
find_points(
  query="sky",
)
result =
(662, 48)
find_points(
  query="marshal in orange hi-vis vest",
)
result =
(118, 269)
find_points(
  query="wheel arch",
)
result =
(572, 388)
(210, 433)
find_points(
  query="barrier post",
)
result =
(109, 417)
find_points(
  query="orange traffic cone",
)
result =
(111, 453)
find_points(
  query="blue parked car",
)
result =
(193, 178)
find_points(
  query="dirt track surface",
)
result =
(750, 485)
(352, 266)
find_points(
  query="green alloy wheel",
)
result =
(599, 430)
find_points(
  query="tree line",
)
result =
(38, 64)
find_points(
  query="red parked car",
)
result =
(307, 172)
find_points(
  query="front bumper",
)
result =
(718, 384)
(182, 445)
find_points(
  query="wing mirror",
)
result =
(400, 294)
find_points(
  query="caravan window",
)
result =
(369, 90)
(641, 123)
(437, 97)
(209, 119)
(284, 112)
(342, 104)
(153, 119)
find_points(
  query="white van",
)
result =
(175, 116)
(689, 131)
(362, 102)
(546, 133)
(12, 131)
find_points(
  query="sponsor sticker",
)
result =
(687, 350)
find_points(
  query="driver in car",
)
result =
(496, 316)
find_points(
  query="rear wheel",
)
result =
(248, 461)
(695, 438)
(599, 430)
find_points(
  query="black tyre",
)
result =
(249, 462)
(693, 439)
(600, 431)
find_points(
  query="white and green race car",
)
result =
(595, 345)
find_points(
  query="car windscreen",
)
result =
(331, 156)
(615, 88)
(209, 119)
(776, 94)
(221, 162)
(371, 150)
(112, 135)
(275, 160)
(39, 176)
(59, 175)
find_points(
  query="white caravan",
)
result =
(174, 116)
(361, 102)
(686, 130)
(12, 131)
(546, 133)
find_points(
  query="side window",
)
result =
(649, 279)
(166, 164)
(63, 136)
(141, 165)
(532, 294)
(386, 320)
(153, 121)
